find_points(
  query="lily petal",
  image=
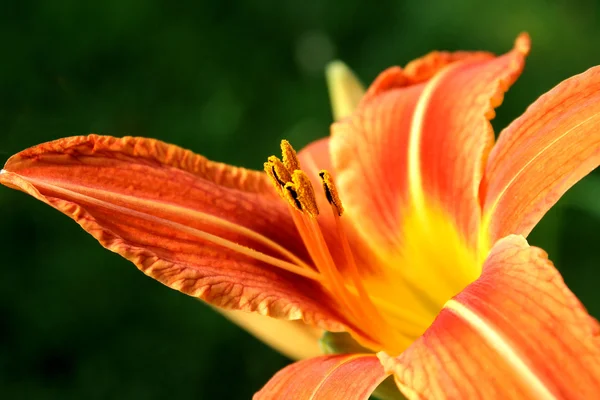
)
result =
(209, 230)
(293, 339)
(408, 164)
(519, 324)
(554, 144)
(411, 146)
(345, 90)
(343, 377)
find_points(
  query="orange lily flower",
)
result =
(405, 228)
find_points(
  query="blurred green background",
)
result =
(227, 79)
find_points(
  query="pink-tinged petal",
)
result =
(538, 157)
(207, 229)
(411, 146)
(339, 377)
(515, 333)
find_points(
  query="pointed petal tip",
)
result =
(126, 192)
(345, 89)
(523, 43)
(336, 67)
(338, 74)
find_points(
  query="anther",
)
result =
(291, 195)
(270, 170)
(291, 183)
(278, 173)
(282, 174)
(306, 193)
(290, 159)
(331, 192)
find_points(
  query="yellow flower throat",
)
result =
(388, 310)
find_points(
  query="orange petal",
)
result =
(340, 377)
(414, 146)
(206, 229)
(554, 144)
(515, 333)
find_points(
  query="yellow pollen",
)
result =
(292, 184)
(282, 174)
(305, 193)
(331, 192)
(291, 196)
(277, 182)
(290, 159)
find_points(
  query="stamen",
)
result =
(332, 279)
(368, 307)
(306, 193)
(290, 159)
(296, 188)
(291, 183)
(290, 194)
(331, 192)
(282, 174)
(331, 272)
(352, 270)
(278, 173)
(300, 194)
(270, 171)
